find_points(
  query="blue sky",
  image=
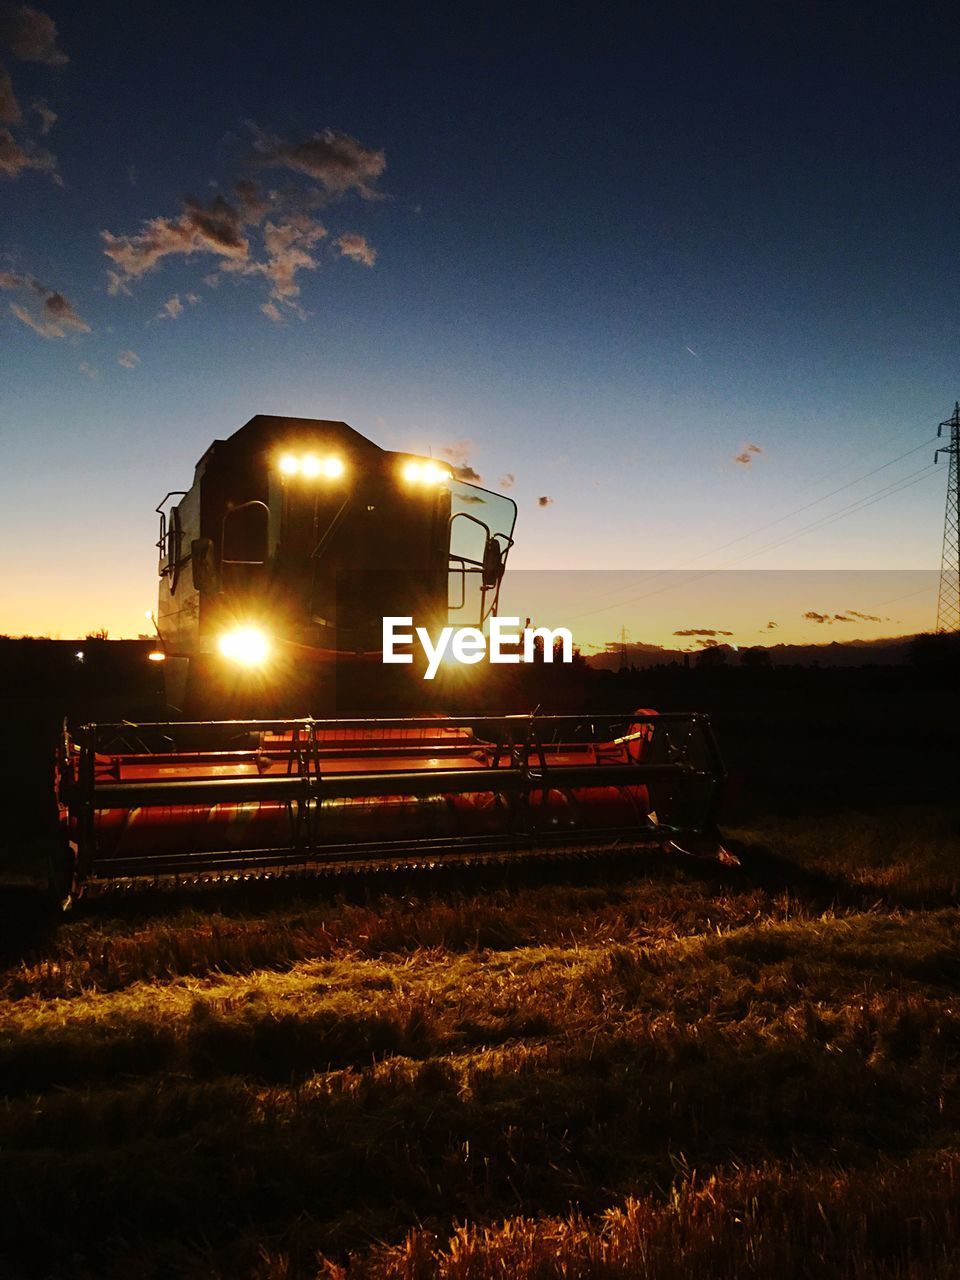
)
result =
(615, 245)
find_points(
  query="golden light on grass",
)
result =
(616, 1022)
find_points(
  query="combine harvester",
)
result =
(277, 568)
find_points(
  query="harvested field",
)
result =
(625, 1067)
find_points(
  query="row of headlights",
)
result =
(249, 646)
(310, 466)
(313, 467)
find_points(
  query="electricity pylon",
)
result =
(948, 601)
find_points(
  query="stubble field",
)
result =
(610, 1069)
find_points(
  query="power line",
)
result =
(816, 501)
(905, 482)
(788, 515)
(860, 504)
(907, 595)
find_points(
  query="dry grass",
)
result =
(896, 1220)
(650, 1073)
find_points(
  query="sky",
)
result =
(677, 277)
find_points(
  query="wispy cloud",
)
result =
(507, 481)
(340, 163)
(458, 455)
(356, 247)
(46, 116)
(702, 631)
(44, 310)
(849, 615)
(128, 359)
(747, 456)
(254, 205)
(10, 112)
(258, 232)
(825, 619)
(88, 370)
(31, 35)
(217, 229)
(17, 158)
(544, 500)
(288, 248)
(173, 308)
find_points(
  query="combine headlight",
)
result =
(310, 466)
(156, 655)
(247, 646)
(432, 474)
(425, 473)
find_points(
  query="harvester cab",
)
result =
(277, 568)
(294, 542)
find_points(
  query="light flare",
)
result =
(247, 646)
(425, 473)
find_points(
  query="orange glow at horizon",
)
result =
(807, 606)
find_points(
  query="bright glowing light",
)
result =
(79, 655)
(425, 473)
(247, 646)
(432, 474)
(310, 465)
(157, 656)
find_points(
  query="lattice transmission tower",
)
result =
(948, 601)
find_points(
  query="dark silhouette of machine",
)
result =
(277, 568)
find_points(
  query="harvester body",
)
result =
(303, 535)
(277, 568)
